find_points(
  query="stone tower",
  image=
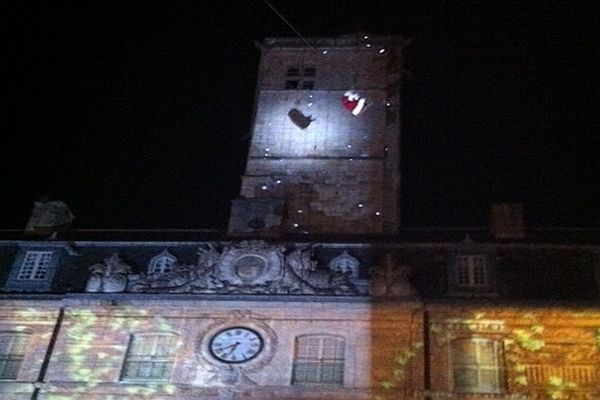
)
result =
(325, 151)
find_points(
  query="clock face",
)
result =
(236, 345)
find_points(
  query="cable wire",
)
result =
(290, 25)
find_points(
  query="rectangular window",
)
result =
(12, 350)
(291, 84)
(308, 85)
(310, 71)
(293, 71)
(471, 271)
(319, 359)
(476, 366)
(150, 358)
(35, 265)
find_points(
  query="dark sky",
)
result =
(137, 114)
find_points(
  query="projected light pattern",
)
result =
(501, 350)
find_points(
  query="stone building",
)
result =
(314, 291)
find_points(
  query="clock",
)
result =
(236, 345)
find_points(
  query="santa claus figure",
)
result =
(353, 102)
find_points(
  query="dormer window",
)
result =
(35, 265)
(471, 271)
(162, 263)
(345, 264)
(33, 269)
(471, 274)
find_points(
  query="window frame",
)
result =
(42, 261)
(319, 366)
(472, 273)
(9, 356)
(17, 281)
(474, 267)
(156, 260)
(151, 359)
(495, 367)
(300, 78)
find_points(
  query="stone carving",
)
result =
(303, 276)
(109, 276)
(230, 376)
(162, 262)
(345, 263)
(252, 267)
(392, 280)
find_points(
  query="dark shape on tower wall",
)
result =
(299, 119)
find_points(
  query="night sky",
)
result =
(137, 114)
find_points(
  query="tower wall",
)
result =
(337, 171)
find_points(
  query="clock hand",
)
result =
(232, 346)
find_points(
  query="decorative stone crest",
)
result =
(109, 276)
(250, 263)
(256, 267)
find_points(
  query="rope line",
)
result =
(290, 25)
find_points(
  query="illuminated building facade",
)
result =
(266, 311)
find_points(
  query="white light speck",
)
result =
(278, 181)
(368, 45)
(388, 103)
(295, 225)
(325, 51)
(377, 213)
(263, 187)
(381, 51)
(267, 149)
(365, 37)
(299, 211)
(360, 205)
(349, 146)
(310, 104)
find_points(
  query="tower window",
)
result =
(310, 71)
(291, 84)
(293, 71)
(308, 85)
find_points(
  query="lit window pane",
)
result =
(319, 359)
(35, 265)
(475, 366)
(150, 357)
(12, 351)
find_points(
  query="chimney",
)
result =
(49, 216)
(506, 221)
